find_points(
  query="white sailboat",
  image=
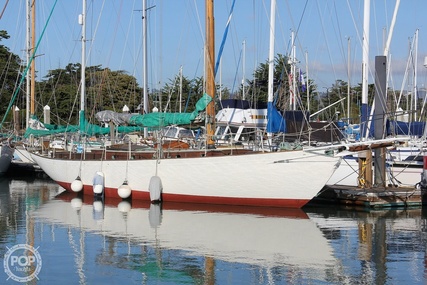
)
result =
(210, 175)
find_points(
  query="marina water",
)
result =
(51, 237)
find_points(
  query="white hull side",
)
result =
(293, 175)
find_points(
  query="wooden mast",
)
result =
(210, 109)
(209, 71)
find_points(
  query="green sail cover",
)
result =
(50, 130)
(136, 122)
(90, 130)
(159, 119)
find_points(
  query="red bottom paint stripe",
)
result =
(145, 196)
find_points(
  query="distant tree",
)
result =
(190, 94)
(257, 88)
(111, 90)
(10, 75)
(259, 85)
(192, 90)
(105, 90)
(59, 89)
(334, 94)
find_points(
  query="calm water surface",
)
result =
(82, 241)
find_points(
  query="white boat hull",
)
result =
(281, 179)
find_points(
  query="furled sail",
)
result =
(156, 119)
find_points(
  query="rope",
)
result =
(362, 180)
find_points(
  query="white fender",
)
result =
(124, 191)
(156, 189)
(77, 185)
(76, 203)
(98, 211)
(124, 207)
(98, 183)
(155, 215)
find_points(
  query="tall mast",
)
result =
(271, 57)
(271, 52)
(209, 71)
(393, 22)
(365, 68)
(244, 67)
(144, 61)
(349, 78)
(82, 22)
(415, 96)
(180, 89)
(28, 78)
(294, 73)
(366, 22)
(33, 62)
(365, 58)
(307, 81)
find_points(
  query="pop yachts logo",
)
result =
(22, 263)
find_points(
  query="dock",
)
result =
(372, 197)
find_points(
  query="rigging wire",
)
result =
(300, 20)
(28, 66)
(236, 73)
(190, 91)
(4, 8)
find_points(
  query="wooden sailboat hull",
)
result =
(278, 179)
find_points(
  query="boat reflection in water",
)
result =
(277, 244)
(213, 244)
